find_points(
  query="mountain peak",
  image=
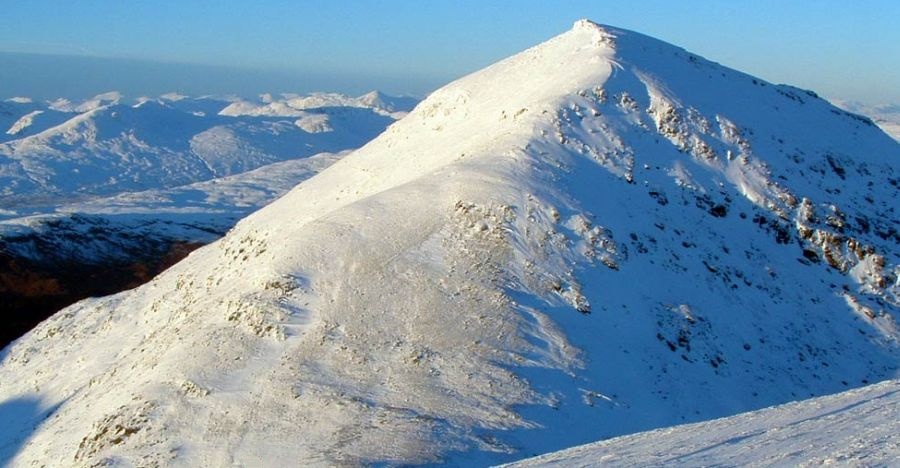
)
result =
(600, 35)
(586, 24)
(525, 260)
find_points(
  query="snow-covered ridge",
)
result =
(600, 235)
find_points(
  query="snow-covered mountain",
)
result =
(106, 245)
(601, 235)
(59, 151)
(855, 428)
(102, 194)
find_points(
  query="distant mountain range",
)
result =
(59, 151)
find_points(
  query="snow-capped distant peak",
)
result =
(109, 96)
(294, 105)
(61, 104)
(59, 148)
(100, 100)
(24, 122)
(104, 99)
(174, 97)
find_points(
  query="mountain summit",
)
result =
(600, 235)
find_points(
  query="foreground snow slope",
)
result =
(601, 235)
(855, 428)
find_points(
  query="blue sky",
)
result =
(845, 49)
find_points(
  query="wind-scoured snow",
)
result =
(601, 235)
(855, 428)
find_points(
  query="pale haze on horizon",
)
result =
(843, 50)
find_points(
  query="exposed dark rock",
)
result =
(719, 211)
(31, 291)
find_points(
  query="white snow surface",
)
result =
(601, 235)
(252, 189)
(102, 184)
(100, 100)
(855, 428)
(200, 213)
(24, 122)
(54, 153)
(293, 105)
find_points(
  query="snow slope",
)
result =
(855, 428)
(601, 235)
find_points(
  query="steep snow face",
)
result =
(855, 428)
(600, 235)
